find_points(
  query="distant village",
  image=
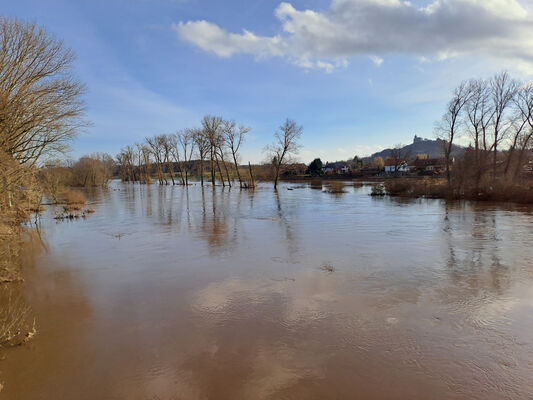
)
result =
(419, 158)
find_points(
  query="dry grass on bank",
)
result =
(428, 187)
(9, 253)
(19, 197)
(517, 192)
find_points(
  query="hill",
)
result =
(433, 148)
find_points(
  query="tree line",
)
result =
(496, 116)
(213, 148)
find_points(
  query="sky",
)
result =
(358, 75)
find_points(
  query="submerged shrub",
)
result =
(378, 190)
(335, 187)
(74, 197)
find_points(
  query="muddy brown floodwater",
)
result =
(174, 293)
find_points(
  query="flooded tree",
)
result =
(175, 151)
(285, 144)
(166, 145)
(126, 163)
(92, 171)
(212, 129)
(234, 137)
(144, 163)
(186, 141)
(202, 147)
(157, 149)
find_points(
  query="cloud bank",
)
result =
(378, 28)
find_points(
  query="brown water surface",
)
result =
(175, 293)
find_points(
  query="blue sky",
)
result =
(359, 75)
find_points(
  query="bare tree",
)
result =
(126, 162)
(186, 140)
(212, 129)
(166, 144)
(145, 163)
(523, 127)
(155, 144)
(448, 129)
(40, 101)
(503, 90)
(202, 146)
(285, 143)
(234, 137)
(93, 170)
(175, 151)
(220, 153)
(479, 113)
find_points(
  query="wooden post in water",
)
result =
(252, 182)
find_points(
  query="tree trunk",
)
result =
(170, 171)
(212, 169)
(226, 169)
(202, 170)
(276, 176)
(219, 171)
(237, 169)
(447, 154)
(494, 160)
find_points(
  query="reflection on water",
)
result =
(216, 293)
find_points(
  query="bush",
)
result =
(378, 190)
(53, 181)
(92, 171)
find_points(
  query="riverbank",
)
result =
(438, 188)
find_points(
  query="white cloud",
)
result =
(501, 29)
(210, 37)
(377, 60)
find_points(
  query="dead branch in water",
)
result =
(16, 324)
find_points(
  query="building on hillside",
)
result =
(418, 139)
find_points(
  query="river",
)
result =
(200, 293)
